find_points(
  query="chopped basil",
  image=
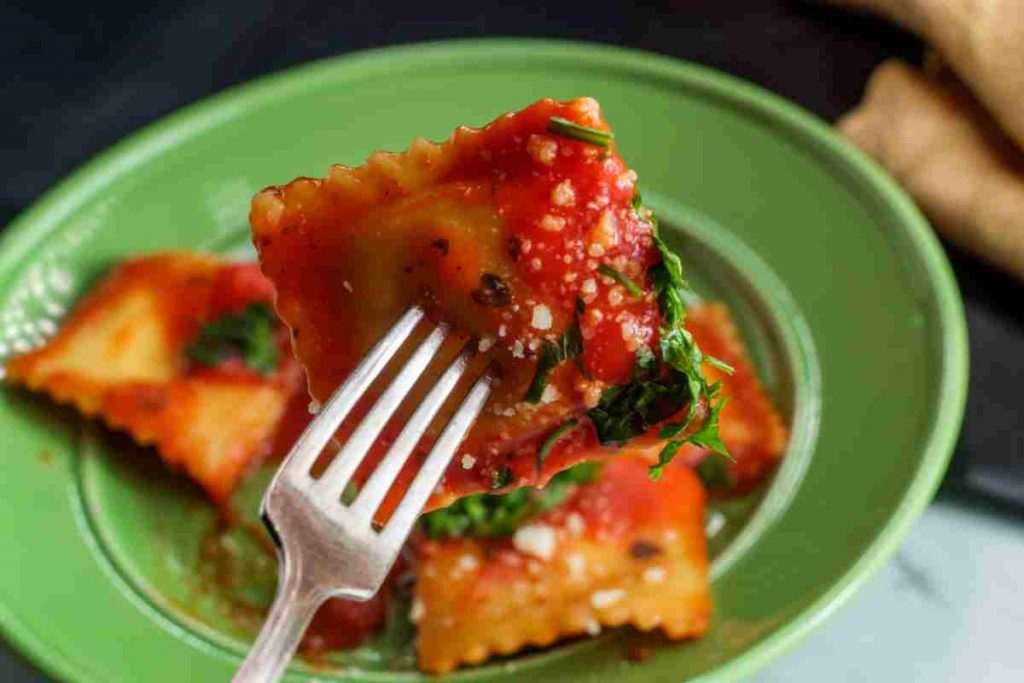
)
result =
(548, 358)
(501, 478)
(714, 473)
(569, 345)
(656, 394)
(488, 515)
(628, 410)
(248, 334)
(552, 439)
(630, 286)
(567, 129)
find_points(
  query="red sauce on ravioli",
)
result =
(500, 231)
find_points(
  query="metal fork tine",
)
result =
(320, 431)
(405, 515)
(376, 487)
(327, 548)
(345, 463)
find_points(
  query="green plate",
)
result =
(840, 288)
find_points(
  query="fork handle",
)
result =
(293, 609)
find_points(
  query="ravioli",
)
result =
(751, 425)
(122, 356)
(525, 238)
(623, 550)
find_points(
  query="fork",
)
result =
(326, 548)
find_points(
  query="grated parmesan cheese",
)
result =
(550, 394)
(417, 611)
(552, 223)
(541, 318)
(468, 563)
(538, 540)
(575, 524)
(654, 575)
(576, 563)
(542, 149)
(563, 194)
(606, 598)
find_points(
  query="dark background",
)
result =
(78, 77)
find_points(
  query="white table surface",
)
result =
(949, 607)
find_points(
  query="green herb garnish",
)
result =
(567, 129)
(628, 410)
(547, 360)
(486, 515)
(501, 478)
(714, 473)
(248, 334)
(657, 393)
(552, 439)
(552, 354)
(630, 286)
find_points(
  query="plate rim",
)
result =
(35, 223)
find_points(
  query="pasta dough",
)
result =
(121, 357)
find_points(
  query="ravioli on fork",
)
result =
(527, 235)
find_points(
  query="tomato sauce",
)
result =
(499, 231)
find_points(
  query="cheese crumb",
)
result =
(417, 611)
(615, 295)
(517, 349)
(468, 461)
(593, 628)
(654, 575)
(542, 149)
(552, 223)
(550, 394)
(535, 263)
(606, 598)
(538, 540)
(577, 566)
(563, 194)
(589, 110)
(630, 335)
(575, 524)
(626, 180)
(590, 390)
(715, 522)
(603, 235)
(541, 318)
(502, 330)
(588, 290)
(468, 563)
